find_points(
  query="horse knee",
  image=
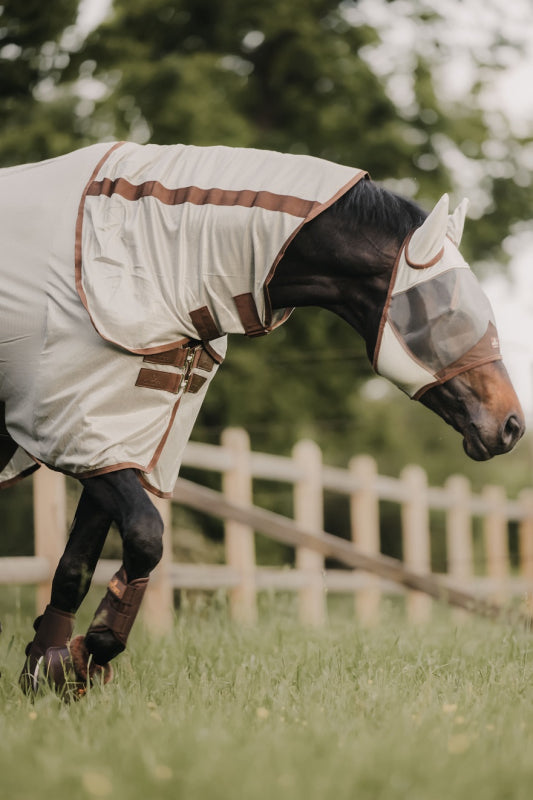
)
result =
(143, 542)
(70, 584)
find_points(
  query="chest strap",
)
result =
(247, 311)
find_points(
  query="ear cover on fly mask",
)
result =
(437, 321)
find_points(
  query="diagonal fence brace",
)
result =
(285, 530)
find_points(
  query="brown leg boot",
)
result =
(108, 632)
(53, 659)
(53, 629)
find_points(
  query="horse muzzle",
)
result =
(482, 443)
(481, 404)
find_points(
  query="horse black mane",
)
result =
(369, 204)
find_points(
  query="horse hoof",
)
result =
(69, 670)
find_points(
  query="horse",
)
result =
(124, 269)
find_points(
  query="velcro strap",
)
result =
(248, 315)
(195, 383)
(206, 361)
(158, 379)
(171, 358)
(119, 607)
(204, 323)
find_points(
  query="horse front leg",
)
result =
(47, 653)
(121, 495)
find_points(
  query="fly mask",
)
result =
(437, 321)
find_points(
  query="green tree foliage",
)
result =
(35, 122)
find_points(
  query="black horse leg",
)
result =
(121, 496)
(70, 584)
(75, 570)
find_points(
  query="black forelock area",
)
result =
(371, 205)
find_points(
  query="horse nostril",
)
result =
(512, 431)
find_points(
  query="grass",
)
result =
(216, 711)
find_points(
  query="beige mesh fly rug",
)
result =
(123, 269)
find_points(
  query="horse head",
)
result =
(437, 338)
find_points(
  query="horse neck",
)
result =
(334, 267)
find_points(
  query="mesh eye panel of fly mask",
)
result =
(437, 321)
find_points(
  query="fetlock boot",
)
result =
(108, 632)
(56, 660)
(53, 630)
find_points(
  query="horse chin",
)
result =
(482, 406)
(475, 448)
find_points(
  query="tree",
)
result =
(35, 38)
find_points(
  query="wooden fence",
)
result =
(310, 479)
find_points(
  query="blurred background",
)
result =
(428, 96)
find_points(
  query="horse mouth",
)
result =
(475, 448)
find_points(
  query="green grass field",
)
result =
(216, 711)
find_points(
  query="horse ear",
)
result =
(456, 222)
(428, 240)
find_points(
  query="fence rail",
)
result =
(240, 576)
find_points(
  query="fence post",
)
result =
(525, 543)
(49, 525)
(459, 546)
(415, 537)
(239, 538)
(495, 536)
(309, 512)
(364, 516)
(158, 603)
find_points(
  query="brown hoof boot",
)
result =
(52, 630)
(70, 671)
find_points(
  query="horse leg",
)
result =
(121, 495)
(70, 584)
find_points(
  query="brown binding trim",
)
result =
(387, 304)
(12, 481)
(152, 489)
(204, 323)
(316, 210)
(248, 315)
(455, 373)
(270, 201)
(158, 379)
(426, 264)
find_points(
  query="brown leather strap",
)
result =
(195, 383)
(206, 361)
(158, 379)
(171, 358)
(247, 311)
(204, 323)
